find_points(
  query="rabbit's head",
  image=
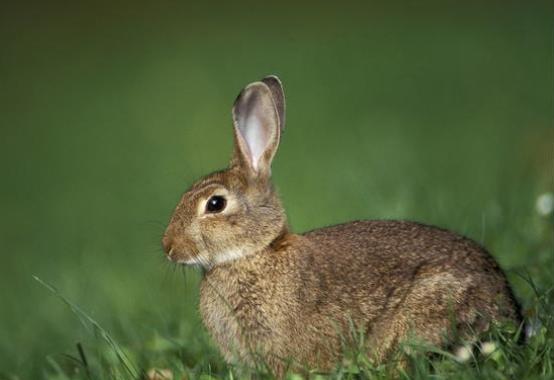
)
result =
(235, 212)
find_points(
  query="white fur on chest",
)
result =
(223, 257)
(229, 255)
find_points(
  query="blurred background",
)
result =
(439, 112)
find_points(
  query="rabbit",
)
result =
(286, 299)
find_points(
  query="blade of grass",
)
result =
(89, 323)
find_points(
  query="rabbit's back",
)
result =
(380, 260)
(397, 251)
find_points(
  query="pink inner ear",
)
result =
(256, 137)
(257, 125)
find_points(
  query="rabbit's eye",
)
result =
(216, 204)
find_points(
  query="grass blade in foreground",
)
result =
(89, 323)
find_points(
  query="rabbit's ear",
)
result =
(276, 87)
(256, 124)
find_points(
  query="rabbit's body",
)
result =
(306, 298)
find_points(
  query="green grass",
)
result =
(437, 112)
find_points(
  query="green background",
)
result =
(438, 112)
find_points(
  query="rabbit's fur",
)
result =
(273, 295)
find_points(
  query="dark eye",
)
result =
(216, 204)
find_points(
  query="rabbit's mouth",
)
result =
(189, 259)
(183, 251)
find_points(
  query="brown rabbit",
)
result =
(286, 298)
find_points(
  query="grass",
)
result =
(506, 356)
(439, 112)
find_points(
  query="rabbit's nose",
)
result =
(167, 243)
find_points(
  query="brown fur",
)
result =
(284, 296)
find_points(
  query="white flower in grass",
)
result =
(463, 353)
(488, 348)
(532, 327)
(159, 374)
(545, 204)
